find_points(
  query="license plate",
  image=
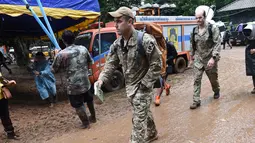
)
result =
(238, 41)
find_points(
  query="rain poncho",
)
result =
(45, 82)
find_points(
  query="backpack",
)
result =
(193, 35)
(156, 31)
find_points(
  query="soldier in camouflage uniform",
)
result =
(75, 60)
(140, 73)
(205, 53)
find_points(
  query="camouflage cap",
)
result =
(122, 11)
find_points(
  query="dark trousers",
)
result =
(5, 116)
(77, 101)
(224, 43)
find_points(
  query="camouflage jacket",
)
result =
(74, 60)
(205, 47)
(137, 69)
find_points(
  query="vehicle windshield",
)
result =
(83, 39)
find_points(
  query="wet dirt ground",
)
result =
(230, 119)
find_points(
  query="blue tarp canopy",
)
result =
(16, 20)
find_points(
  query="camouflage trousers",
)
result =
(212, 74)
(143, 122)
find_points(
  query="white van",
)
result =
(222, 28)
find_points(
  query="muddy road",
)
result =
(229, 119)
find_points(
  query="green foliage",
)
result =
(111, 5)
(187, 7)
(149, 1)
(221, 3)
(184, 7)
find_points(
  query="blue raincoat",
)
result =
(45, 82)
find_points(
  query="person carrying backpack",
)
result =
(170, 57)
(140, 72)
(205, 53)
(155, 30)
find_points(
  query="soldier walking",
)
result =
(205, 53)
(140, 72)
(75, 60)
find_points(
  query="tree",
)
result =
(221, 3)
(184, 7)
(149, 1)
(187, 7)
(111, 5)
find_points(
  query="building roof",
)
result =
(238, 5)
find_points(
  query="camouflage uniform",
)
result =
(205, 49)
(74, 59)
(140, 74)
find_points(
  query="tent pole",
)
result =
(99, 43)
(39, 22)
(47, 23)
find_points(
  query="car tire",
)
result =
(180, 65)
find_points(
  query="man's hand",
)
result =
(36, 73)
(210, 63)
(11, 82)
(191, 62)
(99, 83)
(252, 51)
(192, 58)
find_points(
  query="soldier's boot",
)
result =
(157, 100)
(83, 117)
(253, 91)
(167, 87)
(216, 95)
(195, 104)
(92, 117)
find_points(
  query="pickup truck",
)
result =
(237, 37)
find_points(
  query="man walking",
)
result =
(140, 72)
(226, 39)
(171, 55)
(205, 52)
(75, 60)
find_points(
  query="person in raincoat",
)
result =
(44, 78)
(249, 33)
